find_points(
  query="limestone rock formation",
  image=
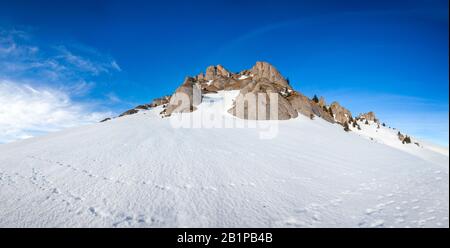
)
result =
(213, 72)
(159, 101)
(341, 114)
(255, 100)
(269, 72)
(308, 107)
(185, 98)
(258, 88)
(322, 102)
(129, 112)
(369, 116)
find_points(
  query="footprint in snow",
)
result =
(127, 220)
(96, 212)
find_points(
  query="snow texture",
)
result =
(138, 171)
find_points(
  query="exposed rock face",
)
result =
(259, 88)
(341, 114)
(185, 98)
(255, 100)
(308, 107)
(370, 116)
(322, 102)
(155, 103)
(218, 78)
(405, 139)
(255, 85)
(159, 101)
(143, 106)
(129, 112)
(269, 72)
(213, 72)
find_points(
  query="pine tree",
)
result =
(315, 99)
(406, 140)
(311, 116)
(367, 122)
(346, 127)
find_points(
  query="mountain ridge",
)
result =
(262, 78)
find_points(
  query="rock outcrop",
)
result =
(255, 101)
(369, 116)
(322, 102)
(155, 103)
(308, 107)
(213, 72)
(129, 112)
(106, 119)
(185, 99)
(340, 114)
(159, 101)
(269, 72)
(259, 88)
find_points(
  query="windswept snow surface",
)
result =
(139, 171)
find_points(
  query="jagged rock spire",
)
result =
(212, 72)
(370, 116)
(341, 114)
(264, 70)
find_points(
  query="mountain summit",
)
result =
(258, 83)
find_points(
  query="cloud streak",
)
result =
(38, 85)
(20, 58)
(27, 111)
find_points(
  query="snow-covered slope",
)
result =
(139, 171)
(388, 136)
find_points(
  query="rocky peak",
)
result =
(370, 116)
(261, 80)
(341, 114)
(191, 89)
(212, 72)
(265, 70)
(322, 102)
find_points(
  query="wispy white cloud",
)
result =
(85, 64)
(20, 57)
(115, 66)
(26, 111)
(44, 88)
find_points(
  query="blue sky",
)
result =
(88, 59)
